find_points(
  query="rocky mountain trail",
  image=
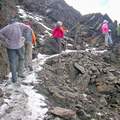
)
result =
(80, 83)
(23, 101)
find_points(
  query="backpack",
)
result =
(33, 38)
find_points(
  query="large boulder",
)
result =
(62, 112)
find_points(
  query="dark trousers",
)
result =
(16, 61)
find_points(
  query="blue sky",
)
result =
(111, 7)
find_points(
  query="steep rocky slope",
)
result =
(84, 83)
(54, 9)
(82, 28)
(83, 86)
(7, 8)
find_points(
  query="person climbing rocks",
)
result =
(118, 30)
(12, 37)
(30, 39)
(110, 41)
(58, 35)
(105, 30)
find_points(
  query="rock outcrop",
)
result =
(54, 9)
(82, 28)
(89, 30)
(83, 82)
(6, 11)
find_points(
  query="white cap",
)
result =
(105, 21)
(59, 23)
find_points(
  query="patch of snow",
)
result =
(37, 18)
(24, 101)
(86, 45)
(95, 51)
(84, 95)
(100, 114)
(47, 32)
(68, 51)
(21, 12)
(31, 78)
(42, 56)
(48, 10)
(35, 103)
(69, 45)
(47, 28)
(3, 109)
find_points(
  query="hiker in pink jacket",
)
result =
(105, 30)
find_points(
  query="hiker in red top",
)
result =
(58, 34)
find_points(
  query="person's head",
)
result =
(109, 30)
(59, 23)
(27, 22)
(105, 21)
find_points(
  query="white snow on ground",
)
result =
(21, 12)
(35, 104)
(69, 44)
(95, 51)
(25, 103)
(34, 17)
(92, 50)
(31, 78)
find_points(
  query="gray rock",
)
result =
(1, 93)
(57, 118)
(80, 68)
(62, 112)
(103, 101)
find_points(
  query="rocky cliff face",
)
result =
(7, 7)
(6, 11)
(54, 9)
(59, 10)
